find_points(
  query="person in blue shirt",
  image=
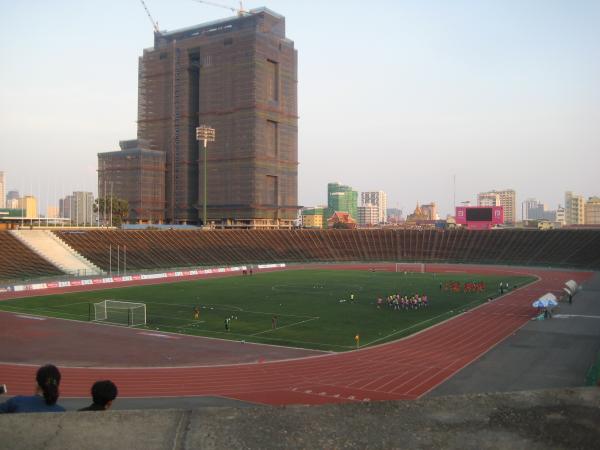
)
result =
(48, 380)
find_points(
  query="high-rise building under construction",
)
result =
(238, 76)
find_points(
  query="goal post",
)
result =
(410, 267)
(120, 312)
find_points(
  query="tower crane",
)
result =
(239, 11)
(154, 24)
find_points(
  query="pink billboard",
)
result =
(479, 217)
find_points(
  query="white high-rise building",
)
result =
(506, 198)
(376, 198)
(560, 215)
(488, 199)
(368, 215)
(2, 191)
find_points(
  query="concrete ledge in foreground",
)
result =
(567, 418)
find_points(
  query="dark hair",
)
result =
(48, 379)
(104, 392)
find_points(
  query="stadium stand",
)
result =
(150, 249)
(18, 262)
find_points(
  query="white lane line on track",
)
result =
(568, 316)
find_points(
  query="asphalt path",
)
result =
(554, 353)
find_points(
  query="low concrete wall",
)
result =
(531, 420)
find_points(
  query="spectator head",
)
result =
(48, 380)
(104, 392)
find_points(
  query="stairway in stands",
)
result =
(51, 248)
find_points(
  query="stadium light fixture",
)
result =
(206, 134)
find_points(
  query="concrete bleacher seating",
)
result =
(51, 248)
(19, 262)
(151, 249)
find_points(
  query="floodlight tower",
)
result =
(206, 134)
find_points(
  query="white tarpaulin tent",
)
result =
(548, 300)
(548, 296)
(571, 287)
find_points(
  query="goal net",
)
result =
(120, 312)
(411, 267)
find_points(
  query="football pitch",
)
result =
(298, 308)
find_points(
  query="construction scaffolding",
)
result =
(137, 175)
(239, 76)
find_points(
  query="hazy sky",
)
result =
(393, 95)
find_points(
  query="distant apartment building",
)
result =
(368, 215)
(136, 174)
(28, 206)
(341, 198)
(592, 211)
(488, 199)
(12, 199)
(430, 210)
(574, 209)
(534, 210)
(526, 206)
(64, 207)
(2, 190)
(13, 195)
(313, 217)
(506, 198)
(376, 198)
(560, 215)
(394, 215)
(78, 207)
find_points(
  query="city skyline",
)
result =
(490, 93)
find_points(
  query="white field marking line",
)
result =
(70, 304)
(285, 326)
(568, 316)
(160, 335)
(241, 336)
(186, 319)
(232, 307)
(25, 310)
(31, 317)
(283, 287)
(188, 325)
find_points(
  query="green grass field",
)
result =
(306, 302)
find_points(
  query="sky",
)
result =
(400, 96)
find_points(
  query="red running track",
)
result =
(405, 369)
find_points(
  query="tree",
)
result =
(118, 206)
